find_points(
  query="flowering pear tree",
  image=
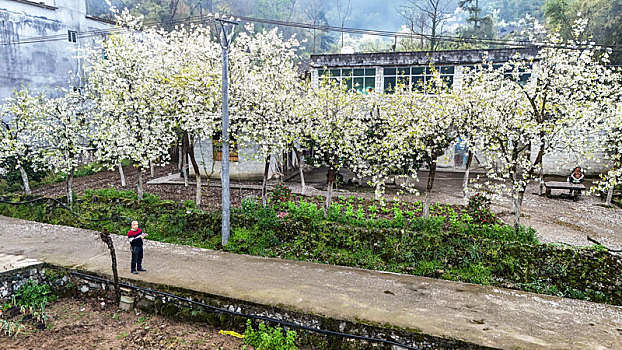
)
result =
(265, 88)
(613, 146)
(123, 83)
(553, 110)
(190, 78)
(432, 130)
(17, 139)
(470, 109)
(64, 134)
(333, 121)
(386, 146)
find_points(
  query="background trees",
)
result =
(555, 109)
(18, 132)
(332, 123)
(265, 90)
(126, 88)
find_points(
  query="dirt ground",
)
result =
(84, 324)
(111, 179)
(556, 220)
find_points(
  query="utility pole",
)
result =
(224, 171)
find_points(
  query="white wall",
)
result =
(44, 66)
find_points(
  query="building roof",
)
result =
(453, 57)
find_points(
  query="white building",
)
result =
(39, 42)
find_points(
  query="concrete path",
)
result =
(15, 262)
(479, 314)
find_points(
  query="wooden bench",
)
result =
(559, 185)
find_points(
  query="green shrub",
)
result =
(268, 338)
(111, 193)
(13, 176)
(34, 295)
(280, 193)
(479, 209)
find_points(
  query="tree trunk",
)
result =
(25, 182)
(140, 184)
(329, 190)
(264, 185)
(517, 202)
(302, 174)
(428, 190)
(68, 187)
(184, 160)
(465, 182)
(609, 196)
(105, 236)
(378, 190)
(179, 157)
(123, 184)
(197, 171)
(541, 187)
(151, 169)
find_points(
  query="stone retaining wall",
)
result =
(65, 283)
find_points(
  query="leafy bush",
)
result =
(479, 209)
(268, 338)
(34, 295)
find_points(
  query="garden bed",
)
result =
(391, 237)
(82, 323)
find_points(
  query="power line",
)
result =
(382, 33)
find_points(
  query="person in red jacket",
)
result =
(135, 235)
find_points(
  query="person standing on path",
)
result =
(135, 235)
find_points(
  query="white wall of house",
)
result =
(42, 65)
(245, 168)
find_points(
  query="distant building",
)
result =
(382, 71)
(39, 41)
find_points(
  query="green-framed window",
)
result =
(360, 79)
(415, 77)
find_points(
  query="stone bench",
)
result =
(575, 189)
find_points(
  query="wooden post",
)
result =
(105, 237)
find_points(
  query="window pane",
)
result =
(447, 70)
(428, 70)
(370, 83)
(359, 72)
(449, 80)
(389, 71)
(346, 72)
(403, 71)
(389, 84)
(358, 84)
(348, 82)
(370, 71)
(524, 77)
(403, 80)
(417, 82)
(418, 70)
(321, 72)
(335, 72)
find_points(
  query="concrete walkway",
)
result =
(478, 314)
